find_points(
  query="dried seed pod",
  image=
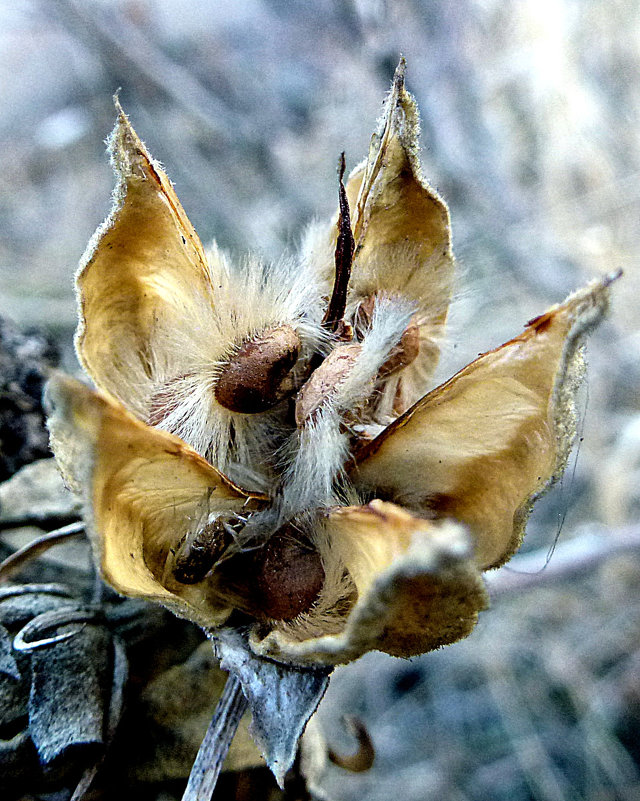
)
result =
(324, 381)
(258, 374)
(200, 550)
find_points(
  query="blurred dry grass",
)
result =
(530, 118)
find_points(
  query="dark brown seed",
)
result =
(200, 550)
(258, 374)
(277, 581)
(288, 577)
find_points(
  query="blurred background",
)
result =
(530, 118)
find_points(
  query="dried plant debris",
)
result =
(265, 450)
(278, 718)
(25, 360)
(57, 679)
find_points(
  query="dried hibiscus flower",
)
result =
(261, 440)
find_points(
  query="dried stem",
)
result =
(214, 748)
(37, 547)
(572, 557)
(363, 758)
(344, 256)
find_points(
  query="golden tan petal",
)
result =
(142, 489)
(417, 587)
(484, 445)
(144, 272)
(402, 231)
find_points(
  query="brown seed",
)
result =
(200, 550)
(277, 581)
(403, 353)
(324, 381)
(287, 578)
(258, 375)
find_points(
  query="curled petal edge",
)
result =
(483, 446)
(417, 581)
(142, 489)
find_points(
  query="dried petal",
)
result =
(417, 585)
(143, 491)
(481, 447)
(144, 272)
(402, 234)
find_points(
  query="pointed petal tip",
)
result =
(609, 278)
(117, 104)
(127, 151)
(399, 74)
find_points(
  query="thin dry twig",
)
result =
(363, 758)
(570, 558)
(119, 41)
(36, 547)
(215, 746)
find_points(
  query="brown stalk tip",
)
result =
(345, 245)
(257, 376)
(364, 757)
(287, 578)
(325, 380)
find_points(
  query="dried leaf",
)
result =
(70, 693)
(281, 698)
(481, 447)
(19, 603)
(8, 666)
(143, 273)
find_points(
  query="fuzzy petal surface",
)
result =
(417, 586)
(144, 272)
(142, 490)
(483, 446)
